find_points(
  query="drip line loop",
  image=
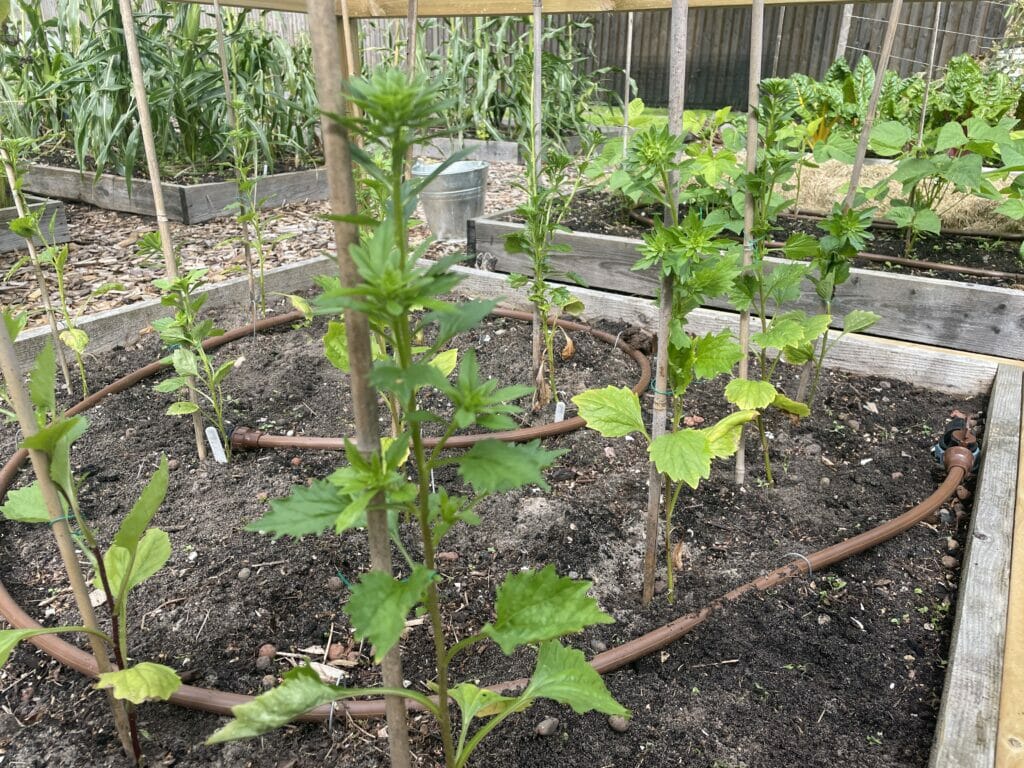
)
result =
(810, 568)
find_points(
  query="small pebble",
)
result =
(268, 681)
(962, 493)
(825, 482)
(262, 496)
(296, 461)
(946, 517)
(335, 584)
(130, 432)
(896, 475)
(952, 545)
(598, 646)
(885, 385)
(618, 723)
(336, 651)
(267, 649)
(853, 424)
(871, 408)
(950, 562)
(572, 575)
(244, 574)
(660, 585)
(448, 557)
(263, 663)
(173, 464)
(547, 726)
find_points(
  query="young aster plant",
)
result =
(532, 608)
(136, 553)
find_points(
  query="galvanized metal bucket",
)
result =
(453, 197)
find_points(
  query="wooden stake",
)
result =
(61, 532)
(753, 98)
(659, 414)
(163, 226)
(626, 88)
(537, 134)
(327, 65)
(33, 257)
(928, 76)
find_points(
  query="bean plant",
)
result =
(135, 554)
(532, 608)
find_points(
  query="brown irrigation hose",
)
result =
(959, 462)
(249, 438)
(879, 258)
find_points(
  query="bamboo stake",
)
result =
(229, 96)
(61, 532)
(844, 30)
(350, 45)
(626, 88)
(659, 415)
(779, 24)
(753, 98)
(411, 23)
(131, 42)
(327, 65)
(536, 94)
(33, 257)
(928, 76)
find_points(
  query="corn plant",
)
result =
(136, 553)
(532, 608)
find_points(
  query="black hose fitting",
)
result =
(957, 433)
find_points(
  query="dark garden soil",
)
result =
(847, 667)
(600, 213)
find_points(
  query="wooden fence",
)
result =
(803, 38)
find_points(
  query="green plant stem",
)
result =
(482, 732)
(764, 447)
(671, 583)
(819, 363)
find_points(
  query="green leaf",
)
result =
(474, 701)
(1012, 208)
(380, 603)
(563, 675)
(146, 681)
(169, 385)
(724, 436)
(750, 394)
(951, 136)
(182, 408)
(75, 339)
(492, 466)
(300, 691)
(446, 361)
(24, 226)
(26, 505)
(800, 246)
(42, 382)
(788, 405)
(336, 345)
(859, 320)
(185, 362)
(9, 638)
(715, 354)
(151, 553)
(611, 411)
(685, 456)
(889, 137)
(149, 501)
(534, 606)
(308, 510)
(47, 438)
(782, 332)
(15, 323)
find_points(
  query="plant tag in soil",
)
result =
(559, 411)
(215, 446)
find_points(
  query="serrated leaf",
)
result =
(26, 505)
(42, 381)
(800, 246)
(685, 456)
(185, 362)
(308, 510)
(336, 345)
(15, 323)
(474, 701)
(151, 553)
(446, 361)
(563, 675)
(859, 320)
(788, 405)
(170, 385)
(146, 681)
(47, 438)
(149, 501)
(750, 394)
(492, 466)
(182, 408)
(724, 436)
(533, 606)
(611, 411)
(715, 354)
(380, 603)
(75, 339)
(300, 691)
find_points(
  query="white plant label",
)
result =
(215, 445)
(559, 411)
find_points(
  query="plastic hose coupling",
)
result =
(957, 434)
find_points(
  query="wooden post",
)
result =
(779, 25)
(844, 31)
(61, 532)
(146, 127)
(626, 89)
(537, 137)
(327, 65)
(753, 98)
(659, 414)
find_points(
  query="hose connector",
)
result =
(957, 435)
(245, 438)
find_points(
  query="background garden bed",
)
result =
(53, 211)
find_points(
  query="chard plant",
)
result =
(136, 553)
(533, 608)
(184, 333)
(552, 181)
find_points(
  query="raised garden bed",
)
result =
(490, 150)
(784, 678)
(187, 203)
(955, 315)
(53, 210)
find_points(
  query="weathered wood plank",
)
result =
(488, 151)
(965, 736)
(203, 202)
(125, 325)
(54, 215)
(931, 367)
(945, 313)
(1010, 736)
(187, 203)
